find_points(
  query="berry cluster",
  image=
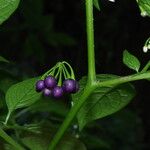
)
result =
(49, 87)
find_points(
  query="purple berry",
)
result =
(70, 86)
(57, 92)
(47, 92)
(50, 82)
(40, 85)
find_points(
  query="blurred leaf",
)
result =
(125, 123)
(1, 100)
(131, 61)
(6, 83)
(96, 142)
(34, 47)
(2, 59)
(60, 39)
(41, 142)
(9, 147)
(29, 9)
(70, 143)
(1, 103)
(49, 105)
(7, 7)
(144, 6)
(96, 4)
(103, 101)
(47, 24)
(22, 94)
(6, 80)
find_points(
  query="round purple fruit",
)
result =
(57, 92)
(70, 86)
(40, 85)
(47, 92)
(50, 82)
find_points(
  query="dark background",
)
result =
(41, 33)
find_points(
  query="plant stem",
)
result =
(8, 139)
(146, 67)
(7, 117)
(70, 117)
(90, 41)
(121, 80)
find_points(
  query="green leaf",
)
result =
(131, 61)
(2, 59)
(144, 6)
(7, 7)
(103, 101)
(96, 4)
(22, 94)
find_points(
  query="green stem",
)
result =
(7, 117)
(71, 70)
(8, 139)
(121, 80)
(88, 90)
(60, 77)
(70, 117)
(146, 67)
(90, 41)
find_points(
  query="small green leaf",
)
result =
(131, 61)
(96, 4)
(22, 94)
(7, 7)
(144, 6)
(103, 101)
(2, 59)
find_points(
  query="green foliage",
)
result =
(144, 6)
(104, 100)
(7, 7)
(6, 80)
(21, 95)
(41, 142)
(125, 123)
(131, 61)
(38, 32)
(42, 32)
(50, 106)
(2, 59)
(96, 4)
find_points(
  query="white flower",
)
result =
(145, 49)
(111, 0)
(143, 13)
(72, 103)
(75, 126)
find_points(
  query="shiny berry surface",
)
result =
(57, 92)
(40, 85)
(47, 92)
(50, 82)
(70, 86)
